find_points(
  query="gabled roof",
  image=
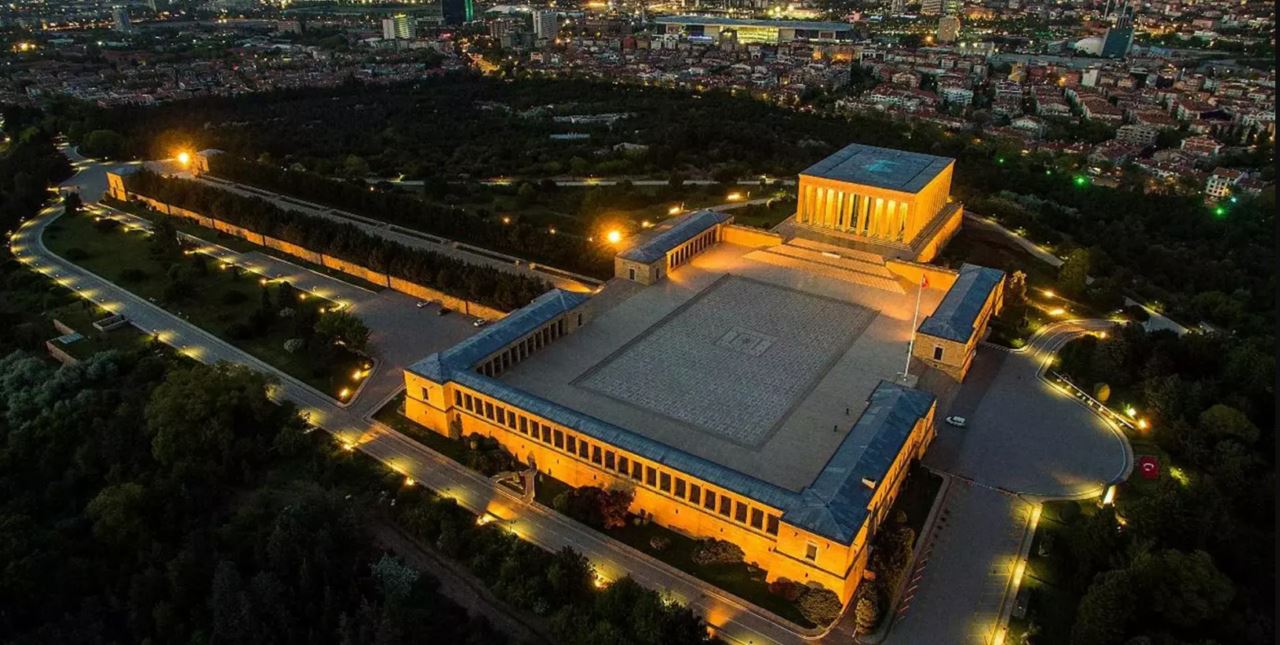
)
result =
(880, 167)
(959, 309)
(834, 506)
(688, 227)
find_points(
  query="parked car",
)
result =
(478, 322)
(958, 422)
(442, 311)
(422, 303)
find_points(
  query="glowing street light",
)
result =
(733, 197)
(184, 158)
(614, 236)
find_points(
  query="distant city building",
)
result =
(546, 24)
(120, 18)
(897, 7)
(397, 27)
(1119, 37)
(749, 31)
(457, 12)
(1220, 183)
(940, 7)
(1137, 134)
(948, 29)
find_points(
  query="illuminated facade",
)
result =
(746, 30)
(743, 385)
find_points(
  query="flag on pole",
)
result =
(924, 281)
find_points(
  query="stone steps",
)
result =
(822, 247)
(877, 269)
(767, 256)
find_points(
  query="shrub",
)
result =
(867, 610)
(293, 345)
(659, 542)
(819, 604)
(232, 298)
(787, 589)
(714, 551)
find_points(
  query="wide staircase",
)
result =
(848, 265)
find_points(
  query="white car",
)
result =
(422, 303)
(958, 422)
(478, 322)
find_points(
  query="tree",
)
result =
(867, 610)
(1224, 421)
(1074, 273)
(820, 605)
(335, 326)
(286, 296)
(103, 143)
(71, 203)
(119, 513)
(1105, 610)
(1185, 589)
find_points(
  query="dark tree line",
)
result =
(481, 284)
(28, 165)
(1196, 556)
(514, 238)
(144, 501)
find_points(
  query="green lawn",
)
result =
(392, 414)
(1051, 603)
(219, 300)
(765, 216)
(80, 316)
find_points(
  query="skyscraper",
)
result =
(897, 7)
(546, 24)
(1119, 37)
(456, 12)
(948, 29)
(931, 7)
(397, 27)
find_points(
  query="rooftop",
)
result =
(685, 229)
(956, 314)
(880, 167)
(751, 22)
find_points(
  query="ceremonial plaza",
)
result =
(747, 385)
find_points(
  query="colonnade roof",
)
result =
(687, 228)
(959, 309)
(885, 168)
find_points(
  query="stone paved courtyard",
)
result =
(732, 361)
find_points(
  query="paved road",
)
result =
(589, 181)
(734, 620)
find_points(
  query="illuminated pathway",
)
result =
(735, 621)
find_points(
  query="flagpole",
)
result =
(911, 345)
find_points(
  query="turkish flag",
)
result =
(1149, 467)
(924, 281)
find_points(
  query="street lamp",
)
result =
(614, 236)
(184, 158)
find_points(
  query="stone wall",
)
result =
(350, 268)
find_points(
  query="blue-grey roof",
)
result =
(834, 506)
(750, 22)
(509, 329)
(688, 227)
(880, 167)
(959, 309)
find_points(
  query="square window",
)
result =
(664, 482)
(636, 470)
(772, 526)
(679, 488)
(608, 459)
(726, 506)
(650, 476)
(502, 415)
(937, 352)
(710, 502)
(546, 434)
(571, 444)
(524, 425)
(595, 455)
(559, 437)
(811, 552)
(457, 396)
(624, 465)
(695, 494)
(468, 402)
(740, 513)
(757, 518)
(511, 420)
(488, 410)
(584, 449)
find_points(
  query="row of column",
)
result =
(691, 248)
(521, 350)
(854, 213)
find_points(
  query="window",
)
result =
(937, 352)
(740, 513)
(584, 449)
(664, 482)
(559, 436)
(624, 465)
(595, 455)
(502, 415)
(631, 273)
(772, 526)
(470, 403)
(636, 470)
(457, 396)
(524, 425)
(757, 518)
(726, 506)
(811, 552)
(546, 434)
(710, 501)
(488, 410)
(695, 494)
(511, 420)
(679, 488)
(571, 444)
(608, 459)
(650, 476)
